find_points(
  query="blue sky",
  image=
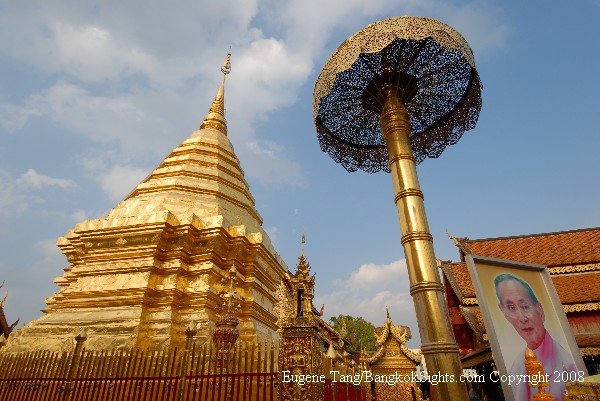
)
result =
(94, 94)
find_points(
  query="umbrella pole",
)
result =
(437, 340)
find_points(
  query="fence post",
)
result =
(79, 340)
(190, 332)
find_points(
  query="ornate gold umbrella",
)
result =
(394, 93)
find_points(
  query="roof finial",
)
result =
(460, 243)
(226, 67)
(303, 265)
(12, 326)
(387, 313)
(215, 118)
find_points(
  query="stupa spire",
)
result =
(215, 118)
(163, 251)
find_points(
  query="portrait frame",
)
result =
(505, 342)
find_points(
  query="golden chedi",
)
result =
(138, 276)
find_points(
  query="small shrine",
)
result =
(301, 346)
(393, 356)
(296, 311)
(308, 344)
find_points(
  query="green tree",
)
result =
(359, 332)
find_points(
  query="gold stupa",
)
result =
(138, 276)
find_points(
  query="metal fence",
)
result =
(248, 371)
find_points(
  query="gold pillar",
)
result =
(74, 364)
(437, 341)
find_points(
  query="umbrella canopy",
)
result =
(433, 69)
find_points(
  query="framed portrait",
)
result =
(521, 310)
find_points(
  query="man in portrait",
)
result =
(525, 313)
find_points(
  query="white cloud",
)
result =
(33, 179)
(368, 290)
(371, 274)
(117, 175)
(13, 117)
(272, 231)
(136, 74)
(101, 118)
(49, 251)
(92, 53)
(79, 215)
(265, 76)
(26, 295)
(480, 24)
(275, 169)
(17, 194)
(12, 200)
(90, 41)
(118, 181)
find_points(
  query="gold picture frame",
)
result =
(517, 317)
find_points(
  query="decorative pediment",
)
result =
(393, 334)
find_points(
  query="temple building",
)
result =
(298, 314)
(154, 263)
(392, 355)
(308, 345)
(573, 262)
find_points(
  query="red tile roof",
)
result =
(577, 288)
(474, 318)
(458, 274)
(588, 341)
(551, 249)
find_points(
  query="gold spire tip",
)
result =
(215, 118)
(226, 67)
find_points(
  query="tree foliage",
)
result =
(359, 332)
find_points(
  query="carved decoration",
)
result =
(392, 356)
(429, 63)
(226, 333)
(574, 268)
(283, 308)
(389, 332)
(301, 356)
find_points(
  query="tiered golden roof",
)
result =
(391, 341)
(139, 275)
(394, 357)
